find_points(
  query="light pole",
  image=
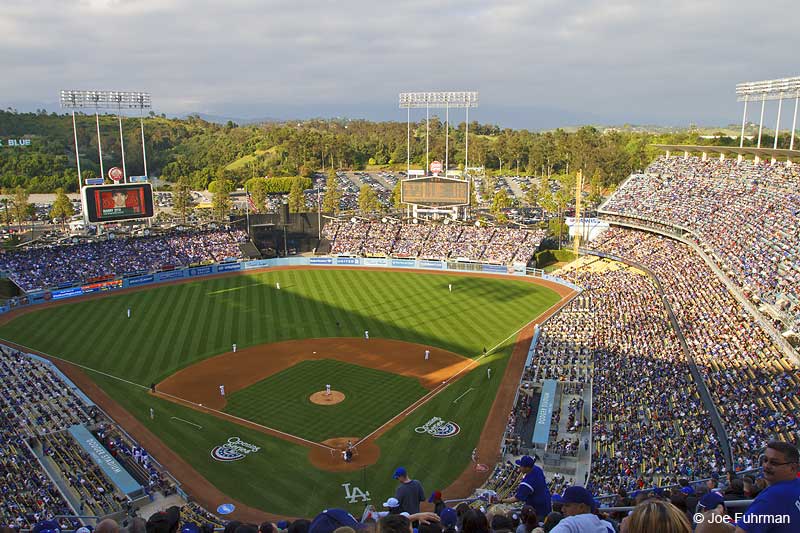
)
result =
(118, 100)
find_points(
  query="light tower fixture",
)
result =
(119, 100)
(764, 90)
(440, 99)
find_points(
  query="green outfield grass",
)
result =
(281, 401)
(174, 326)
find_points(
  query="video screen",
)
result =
(111, 203)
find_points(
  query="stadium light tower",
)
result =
(108, 100)
(446, 100)
(777, 89)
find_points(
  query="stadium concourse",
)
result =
(669, 385)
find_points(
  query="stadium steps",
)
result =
(54, 473)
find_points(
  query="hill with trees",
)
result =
(203, 152)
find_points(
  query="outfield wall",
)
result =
(140, 279)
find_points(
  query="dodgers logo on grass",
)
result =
(438, 427)
(233, 450)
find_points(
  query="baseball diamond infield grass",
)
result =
(174, 326)
(281, 401)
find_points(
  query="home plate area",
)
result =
(335, 396)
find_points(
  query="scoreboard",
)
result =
(434, 191)
(112, 203)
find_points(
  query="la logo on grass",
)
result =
(352, 496)
(234, 449)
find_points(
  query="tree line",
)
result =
(203, 152)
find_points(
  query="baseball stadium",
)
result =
(433, 358)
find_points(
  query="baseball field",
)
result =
(273, 441)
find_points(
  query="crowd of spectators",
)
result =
(751, 381)
(647, 415)
(747, 213)
(499, 245)
(37, 408)
(48, 266)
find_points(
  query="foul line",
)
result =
(221, 414)
(245, 422)
(473, 362)
(84, 367)
(190, 423)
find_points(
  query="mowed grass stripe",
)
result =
(161, 338)
(281, 401)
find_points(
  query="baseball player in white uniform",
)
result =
(327, 390)
(129, 312)
(222, 390)
(277, 285)
(427, 354)
(234, 347)
(450, 287)
(366, 334)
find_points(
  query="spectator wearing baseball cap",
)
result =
(436, 500)
(578, 516)
(532, 490)
(330, 520)
(409, 493)
(781, 462)
(449, 518)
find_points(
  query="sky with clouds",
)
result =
(537, 63)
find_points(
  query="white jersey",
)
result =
(222, 390)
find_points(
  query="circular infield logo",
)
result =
(439, 428)
(223, 453)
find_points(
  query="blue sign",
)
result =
(174, 274)
(103, 458)
(230, 267)
(500, 269)
(544, 415)
(94, 181)
(66, 293)
(137, 179)
(226, 508)
(201, 271)
(347, 261)
(141, 280)
(425, 263)
(258, 263)
(320, 260)
(375, 261)
(409, 263)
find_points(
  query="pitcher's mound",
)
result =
(323, 398)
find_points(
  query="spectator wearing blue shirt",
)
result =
(532, 489)
(776, 509)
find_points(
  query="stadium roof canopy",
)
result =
(763, 153)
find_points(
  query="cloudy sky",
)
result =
(536, 63)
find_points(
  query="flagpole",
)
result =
(247, 208)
